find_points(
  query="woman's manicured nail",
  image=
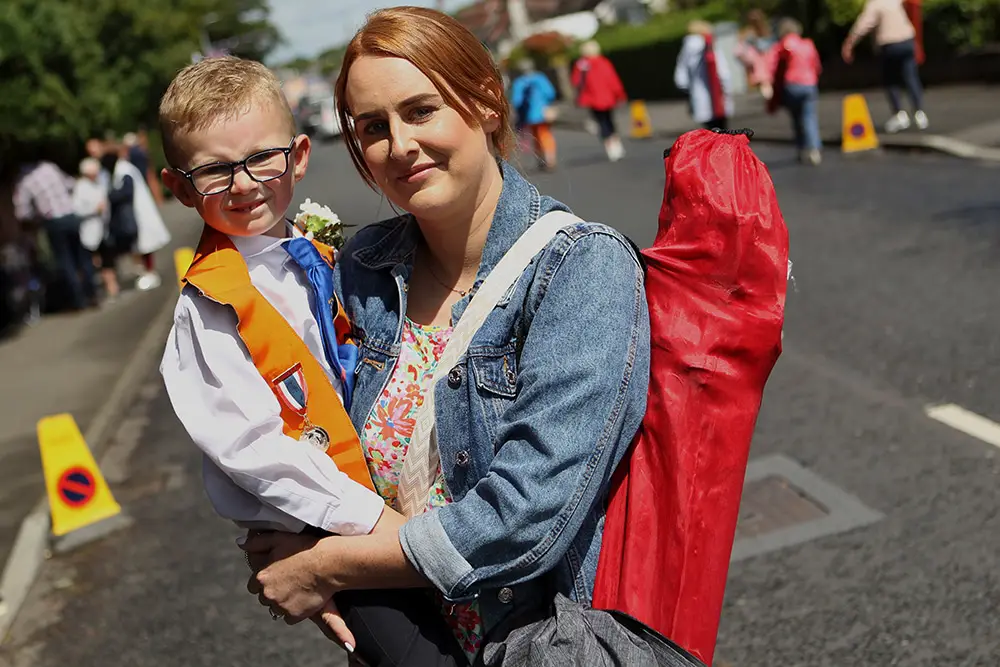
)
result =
(350, 649)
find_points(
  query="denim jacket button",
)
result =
(511, 376)
(462, 459)
(505, 596)
(455, 377)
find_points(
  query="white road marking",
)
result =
(967, 422)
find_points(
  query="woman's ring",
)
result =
(274, 615)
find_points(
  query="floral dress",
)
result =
(387, 435)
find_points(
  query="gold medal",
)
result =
(317, 437)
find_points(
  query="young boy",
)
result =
(257, 364)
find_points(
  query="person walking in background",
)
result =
(753, 44)
(599, 89)
(705, 77)
(532, 95)
(152, 232)
(43, 192)
(137, 144)
(119, 240)
(90, 203)
(795, 67)
(895, 37)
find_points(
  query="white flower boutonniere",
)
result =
(320, 223)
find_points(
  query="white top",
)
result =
(254, 474)
(88, 196)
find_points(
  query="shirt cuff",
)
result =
(357, 512)
(428, 547)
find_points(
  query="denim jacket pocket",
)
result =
(495, 370)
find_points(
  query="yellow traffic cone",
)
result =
(642, 128)
(79, 496)
(858, 133)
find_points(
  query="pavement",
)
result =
(888, 316)
(84, 364)
(965, 120)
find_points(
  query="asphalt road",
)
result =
(894, 308)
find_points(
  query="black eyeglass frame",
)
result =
(189, 175)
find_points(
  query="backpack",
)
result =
(715, 282)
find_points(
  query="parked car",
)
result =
(318, 118)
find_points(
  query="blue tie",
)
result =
(342, 358)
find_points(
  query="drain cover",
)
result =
(784, 504)
(771, 504)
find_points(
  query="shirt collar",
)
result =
(255, 246)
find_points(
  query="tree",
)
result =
(70, 70)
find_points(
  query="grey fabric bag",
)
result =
(571, 634)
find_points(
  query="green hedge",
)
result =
(668, 27)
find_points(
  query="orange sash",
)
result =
(219, 272)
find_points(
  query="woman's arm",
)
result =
(864, 24)
(584, 374)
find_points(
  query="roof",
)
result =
(489, 21)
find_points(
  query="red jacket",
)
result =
(597, 84)
(798, 59)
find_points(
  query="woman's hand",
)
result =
(288, 582)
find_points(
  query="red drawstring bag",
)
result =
(715, 282)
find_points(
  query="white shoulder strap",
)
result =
(420, 464)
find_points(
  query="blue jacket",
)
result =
(530, 94)
(533, 420)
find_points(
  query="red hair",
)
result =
(446, 52)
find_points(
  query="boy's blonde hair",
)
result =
(213, 90)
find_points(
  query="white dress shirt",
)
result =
(254, 474)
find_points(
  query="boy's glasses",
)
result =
(217, 177)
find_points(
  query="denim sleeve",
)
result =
(584, 373)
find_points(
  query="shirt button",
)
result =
(462, 459)
(506, 596)
(455, 377)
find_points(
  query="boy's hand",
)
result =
(332, 625)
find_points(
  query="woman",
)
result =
(599, 89)
(122, 231)
(531, 96)
(152, 233)
(896, 39)
(754, 41)
(532, 422)
(705, 77)
(90, 203)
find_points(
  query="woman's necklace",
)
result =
(443, 284)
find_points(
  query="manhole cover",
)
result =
(771, 504)
(784, 504)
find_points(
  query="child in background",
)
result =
(795, 68)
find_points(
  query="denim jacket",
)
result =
(533, 420)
